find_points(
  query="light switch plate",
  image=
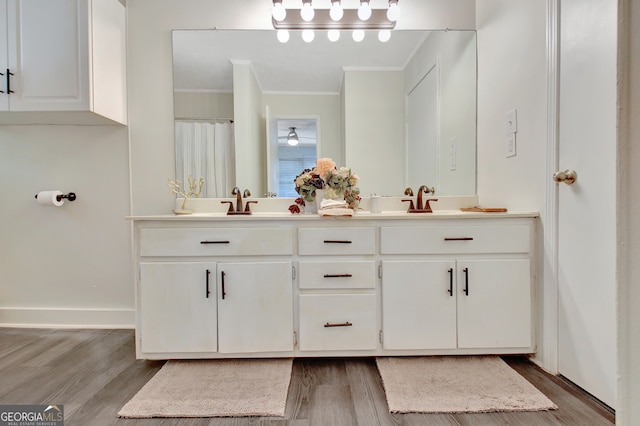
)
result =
(511, 145)
(453, 153)
(511, 122)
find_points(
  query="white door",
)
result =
(255, 307)
(419, 304)
(178, 306)
(494, 303)
(587, 208)
(4, 64)
(48, 47)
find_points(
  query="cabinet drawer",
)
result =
(455, 239)
(337, 275)
(336, 241)
(337, 322)
(215, 242)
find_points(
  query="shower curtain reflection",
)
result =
(202, 143)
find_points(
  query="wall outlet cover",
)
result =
(511, 122)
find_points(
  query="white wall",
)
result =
(66, 265)
(204, 105)
(88, 160)
(370, 98)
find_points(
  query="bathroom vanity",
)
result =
(282, 285)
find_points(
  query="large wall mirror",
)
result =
(400, 113)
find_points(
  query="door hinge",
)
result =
(295, 339)
(379, 271)
(139, 274)
(381, 337)
(293, 272)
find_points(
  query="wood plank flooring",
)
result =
(93, 373)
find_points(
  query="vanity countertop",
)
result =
(360, 215)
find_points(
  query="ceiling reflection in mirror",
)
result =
(401, 113)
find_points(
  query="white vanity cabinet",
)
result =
(62, 62)
(302, 286)
(214, 291)
(470, 287)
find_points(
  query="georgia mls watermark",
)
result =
(31, 415)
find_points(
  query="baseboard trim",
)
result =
(67, 318)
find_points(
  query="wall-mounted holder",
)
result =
(70, 196)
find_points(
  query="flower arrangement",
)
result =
(336, 183)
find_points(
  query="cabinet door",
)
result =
(418, 308)
(177, 308)
(255, 307)
(495, 311)
(48, 55)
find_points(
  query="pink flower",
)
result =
(323, 165)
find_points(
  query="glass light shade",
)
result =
(279, 12)
(333, 35)
(393, 13)
(358, 35)
(336, 12)
(292, 138)
(364, 11)
(283, 36)
(308, 35)
(384, 35)
(307, 13)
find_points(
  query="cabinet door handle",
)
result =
(466, 281)
(450, 291)
(222, 274)
(337, 242)
(208, 292)
(342, 324)
(338, 275)
(458, 238)
(2, 91)
(9, 74)
(215, 242)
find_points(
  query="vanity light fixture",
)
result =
(292, 137)
(335, 19)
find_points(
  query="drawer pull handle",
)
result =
(215, 242)
(208, 292)
(343, 324)
(450, 291)
(458, 238)
(224, 293)
(337, 242)
(338, 275)
(466, 281)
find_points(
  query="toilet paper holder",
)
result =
(70, 196)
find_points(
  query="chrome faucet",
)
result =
(419, 207)
(239, 209)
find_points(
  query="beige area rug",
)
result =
(214, 388)
(457, 384)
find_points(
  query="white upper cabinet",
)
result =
(63, 62)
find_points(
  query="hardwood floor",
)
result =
(93, 373)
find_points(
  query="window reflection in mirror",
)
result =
(293, 149)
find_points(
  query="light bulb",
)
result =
(279, 12)
(384, 35)
(358, 35)
(364, 11)
(283, 36)
(333, 35)
(393, 13)
(307, 12)
(308, 35)
(336, 12)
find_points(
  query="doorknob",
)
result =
(568, 176)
